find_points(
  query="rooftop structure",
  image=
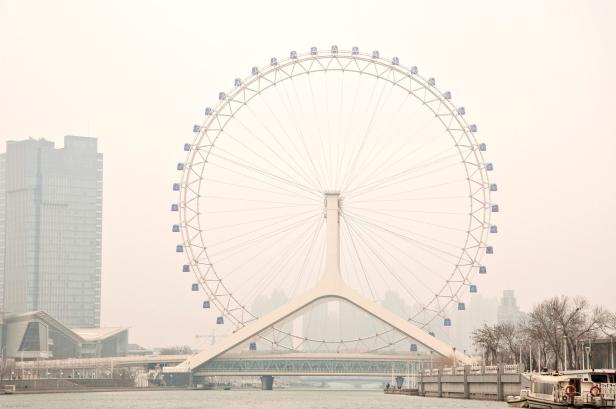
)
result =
(37, 335)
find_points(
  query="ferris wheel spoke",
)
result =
(421, 211)
(298, 150)
(298, 129)
(329, 161)
(318, 125)
(405, 199)
(295, 168)
(392, 179)
(356, 154)
(382, 262)
(409, 119)
(302, 268)
(340, 163)
(261, 220)
(249, 209)
(269, 234)
(407, 219)
(400, 230)
(379, 139)
(303, 239)
(422, 188)
(358, 163)
(383, 239)
(336, 163)
(314, 263)
(419, 244)
(357, 256)
(268, 266)
(286, 175)
(266, 173)
(368, 234)
(294, 193)
(400, 155)
(243, 199)
(278, 268)
(439, 157)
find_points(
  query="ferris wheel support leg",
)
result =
(327, 290)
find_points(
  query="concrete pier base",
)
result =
(267, 383)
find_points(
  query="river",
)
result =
(242, 399)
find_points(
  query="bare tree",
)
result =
(563, 322)
(176, 350)
(488, 338)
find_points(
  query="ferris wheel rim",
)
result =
(195, 252)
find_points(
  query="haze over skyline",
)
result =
(537, 78)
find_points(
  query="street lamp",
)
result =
(587, 349)
(612, 349)
(454, 359)
(431, 361)
(565, 346)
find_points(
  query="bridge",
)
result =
(309, 364)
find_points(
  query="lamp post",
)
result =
(565, 346)
(587, 349)
(454, 359)
(612, 350)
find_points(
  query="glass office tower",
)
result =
(52, 216)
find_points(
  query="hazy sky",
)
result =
(538, 78)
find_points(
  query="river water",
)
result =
(244, 399)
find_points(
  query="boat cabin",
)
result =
(580, 388)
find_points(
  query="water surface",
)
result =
(241, 399)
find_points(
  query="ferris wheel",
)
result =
(391, 149)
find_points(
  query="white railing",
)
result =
(474, 370)
(609, 390)
(514, 368)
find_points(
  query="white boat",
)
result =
(9, 389)
(519, 401)
(573, 389)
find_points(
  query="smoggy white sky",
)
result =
(537, 77)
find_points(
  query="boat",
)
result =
(590, 388)
(9, 389)
(519, 401)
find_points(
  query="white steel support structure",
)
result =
(330, 286)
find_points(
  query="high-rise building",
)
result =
(51, 229)
(508, 310)
(2, 232)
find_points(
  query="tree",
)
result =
(176, 350)
(563, 322)
(488, 338)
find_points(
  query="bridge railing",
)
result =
(474, 370)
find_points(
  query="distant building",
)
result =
(2, 229)
(138, 350)
(50, 229)
(508, 310)
(36, 335)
